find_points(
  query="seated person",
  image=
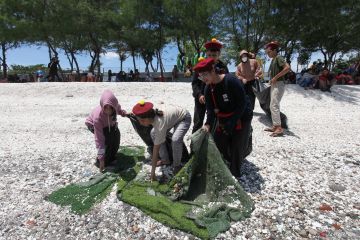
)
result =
(326, 80)
(307, 80)
(356, 74)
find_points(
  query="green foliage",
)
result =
(19, 69)
(129, 28)
(304, 57)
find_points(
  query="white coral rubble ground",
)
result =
(45, 145)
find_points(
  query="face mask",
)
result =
(244, 59)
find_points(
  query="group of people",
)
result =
(319, 77)
(123, 77)
(226, 99)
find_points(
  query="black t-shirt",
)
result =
(230, 97)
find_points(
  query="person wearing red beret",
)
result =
(277, 70)
(229, 113)
(213, 49)
(170, 117)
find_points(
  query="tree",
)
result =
(327, 27)
(242, 24)
(190, 20)
(11, 33)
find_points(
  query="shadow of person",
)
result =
(264, 119)
(251, 180)
(287, 132)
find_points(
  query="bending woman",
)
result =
(170, 117)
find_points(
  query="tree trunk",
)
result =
(247, 26)
(50, 54)
(71, 62)
(162, 69)
(52, 49)
(76, 63)
(152, 67)
(133, 58)
(146, 65)
(121, 65)
(98, 68)
(92, 64)
(4, 65)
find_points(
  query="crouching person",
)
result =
(229, 113)
(102, 123)
(169, 117)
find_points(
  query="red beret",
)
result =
(213, 45)
(205, 65)
(272, 45)
(142, 107)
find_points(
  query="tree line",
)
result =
(144, 27)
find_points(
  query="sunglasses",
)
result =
(203, 75)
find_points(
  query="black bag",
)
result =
(262, 93)
(144, 133)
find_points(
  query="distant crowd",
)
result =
(319, 77)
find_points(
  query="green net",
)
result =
(82, 196)
(202, 199)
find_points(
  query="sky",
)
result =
(32, 55)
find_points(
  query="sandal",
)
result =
(274, 134)
(278, 132)
(162, 163)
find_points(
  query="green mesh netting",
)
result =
(204, 191)
(202, 199)
(82, 196)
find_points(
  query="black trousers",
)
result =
(52, 77)
(112, 142)
(199, 115)
(250, 92)
(234, 147)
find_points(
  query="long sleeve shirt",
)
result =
(227, 97)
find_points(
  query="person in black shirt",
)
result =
(229, 113)
(53, 70)
(213, 48)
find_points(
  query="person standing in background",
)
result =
(277, 70)
(213, 50)
(248, 71)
